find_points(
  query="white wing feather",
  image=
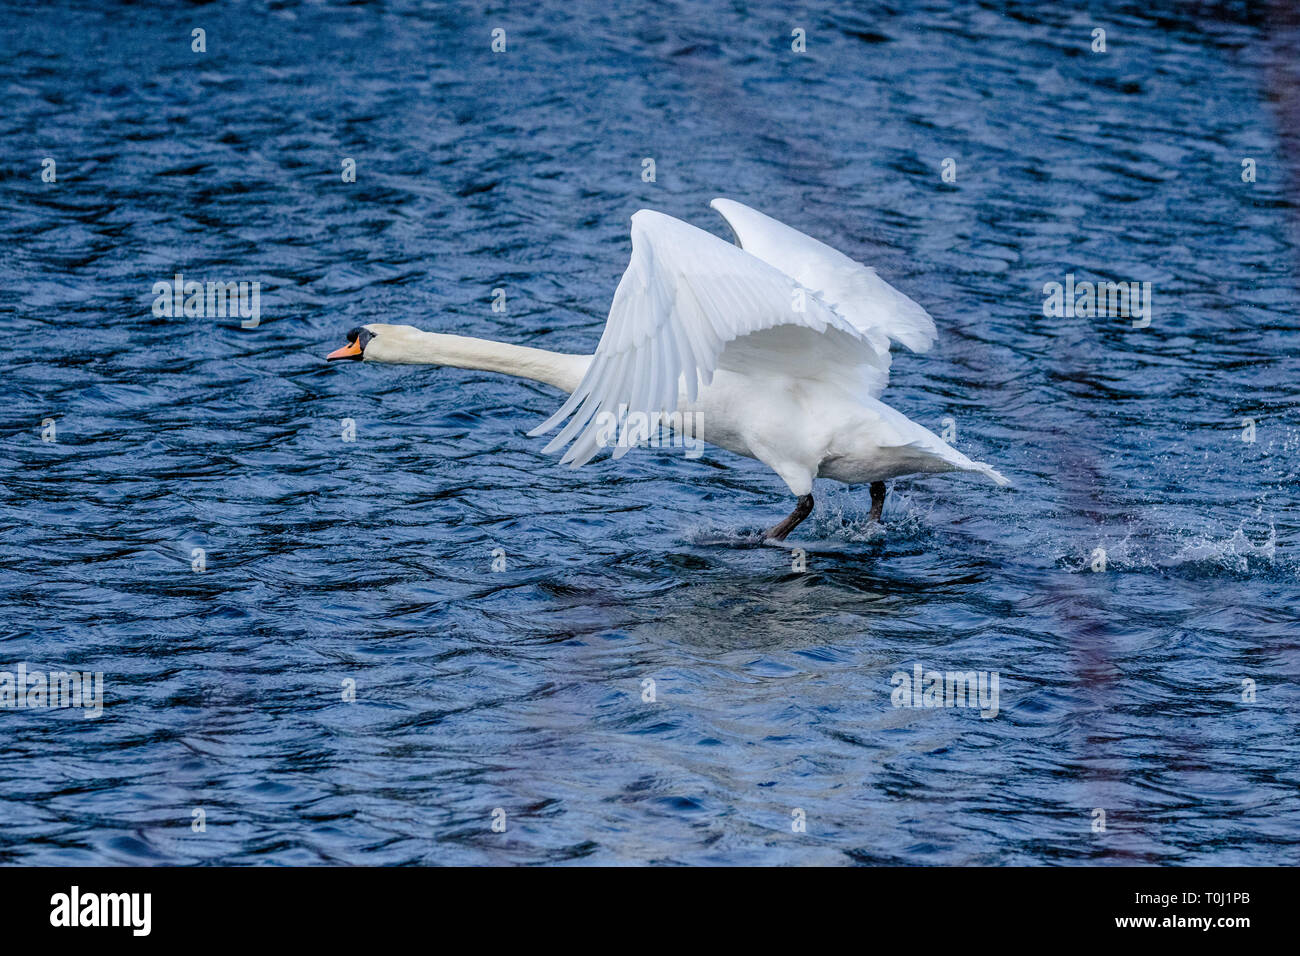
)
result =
(878, 310)
(685, 295)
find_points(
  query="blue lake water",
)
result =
(371, 561)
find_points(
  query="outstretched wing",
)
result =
(685, 295)
(876, 309)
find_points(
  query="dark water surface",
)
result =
(371, 561)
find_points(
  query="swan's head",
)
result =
(379, 343)
(358, 339)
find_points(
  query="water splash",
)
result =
(1185, 551)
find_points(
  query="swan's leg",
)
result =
(877, 501)
(802, 509)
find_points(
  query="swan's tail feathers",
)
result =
(984, 469)
(950, 459)
(947, 458)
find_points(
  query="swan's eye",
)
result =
(361, 336)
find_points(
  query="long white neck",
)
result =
(410, 346)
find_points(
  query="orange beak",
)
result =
(351, 350)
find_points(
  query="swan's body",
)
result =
(777, 350)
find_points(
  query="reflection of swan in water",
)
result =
(777, 350)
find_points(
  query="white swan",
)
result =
(776, 348)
